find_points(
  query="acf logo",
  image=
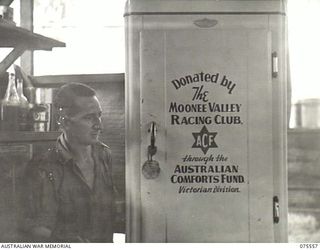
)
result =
(204, 140)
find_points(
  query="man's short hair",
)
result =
(64, 100)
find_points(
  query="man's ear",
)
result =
(63, 122)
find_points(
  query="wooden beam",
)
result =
(52, 81)
(26, 16)
(28, 136)
(10, 58)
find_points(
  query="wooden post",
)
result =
(26, 13)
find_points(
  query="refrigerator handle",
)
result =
(275, 65)
(152, 149)
(151, 168)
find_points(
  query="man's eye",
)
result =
(91, 117)
(88, 117)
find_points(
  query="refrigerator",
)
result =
(206, 89)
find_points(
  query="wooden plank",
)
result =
(12, 36)
(50, 81)
(306, 139)
(303, 188)
(304, 210)
(19, 136)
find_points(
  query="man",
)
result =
(70, 189)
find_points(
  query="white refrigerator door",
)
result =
(210, 96)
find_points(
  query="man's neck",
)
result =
(82, 156)
(78, 151)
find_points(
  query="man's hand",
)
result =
(82, 240)
(41, 233)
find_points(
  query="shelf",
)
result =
(21, 40)
(13, 36)
(54, 81)
(21, 136)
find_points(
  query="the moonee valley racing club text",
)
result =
(213, 173)
(201, 103)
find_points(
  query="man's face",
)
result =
(84, 126)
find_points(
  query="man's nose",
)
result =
(97, 124)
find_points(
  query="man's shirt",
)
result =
(59, 198)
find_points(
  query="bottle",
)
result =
(10, 106)
(28, 88)
(23, 107)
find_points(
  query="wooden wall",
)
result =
(304, 169)
(111, 97)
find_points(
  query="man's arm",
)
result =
(119, 205)
(40, 201)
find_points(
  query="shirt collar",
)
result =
(63, 149)
(64, 152)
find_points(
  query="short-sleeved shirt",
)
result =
(59, 198)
